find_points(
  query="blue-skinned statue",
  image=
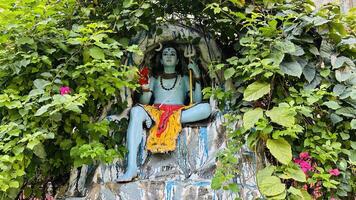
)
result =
(164, 118)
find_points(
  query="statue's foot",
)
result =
(127, 177)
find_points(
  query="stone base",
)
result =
(156, 190)
(185, 173)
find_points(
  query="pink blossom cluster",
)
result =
(304, 161)
(334, 172)
(64, 90)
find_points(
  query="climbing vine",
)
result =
(61, 69)
(292, 84)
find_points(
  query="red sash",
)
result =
(167, 112)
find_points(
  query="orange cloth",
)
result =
(163, 135)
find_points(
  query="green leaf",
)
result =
(96, 53)
(325, 73)
(42, 110)
(286, 46)
(353, 124)
(25, 40)
(24, 62)
(18, 149)
(298, 51)
(292, 68)
(295, 173)
(46, 75)
(134, 49)
(319, 21)
(335, 118)
(256, 90)
(329, 184)
(344, 136)
(339, 62)
(13, 104)
(245, 41)
(73, 107)
(295, 191)
(266, 172)
(39, 151)
(301, 194)
(352, 156)
(36, 92)
(343, 74)
(348, 41)
(40, 83)
(346, 111)
(332, 104)
(251, 117)
(280, 149)
(138, 13)
(277, 57)
(339, 89)
(228, 73)
(14, 184)
(309, 73)
(282, 115)
(314, 50)
(279, 196)
(271, 186)
(326, 49)
(145, 6)
(128, 3)
(32, 143)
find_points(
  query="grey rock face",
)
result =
(185, 173)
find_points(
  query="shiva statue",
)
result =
(169, 91)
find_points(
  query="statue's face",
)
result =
(169, 57)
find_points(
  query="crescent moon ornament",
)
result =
(160, 47)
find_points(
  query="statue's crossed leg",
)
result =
(138, 116)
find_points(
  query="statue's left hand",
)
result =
(194, 67)
(144, 76)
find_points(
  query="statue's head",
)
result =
(169, 57)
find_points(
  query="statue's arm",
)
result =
(147, 91)
(197, 94)
(198, 97)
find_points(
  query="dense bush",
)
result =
(292, 81)
(60, 68)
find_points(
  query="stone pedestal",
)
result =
(185, 173)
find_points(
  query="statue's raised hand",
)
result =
(194, 67)
(144, 76)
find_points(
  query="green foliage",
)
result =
(269, 185)
(46, 45)
(280, 149)
(293, 68)
(256, 90)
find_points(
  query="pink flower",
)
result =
(334, 172)
(64, 90)
(304, 155)
(304, 165)
(332, 198)
(297, 160)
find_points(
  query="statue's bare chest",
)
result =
(169, 91)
